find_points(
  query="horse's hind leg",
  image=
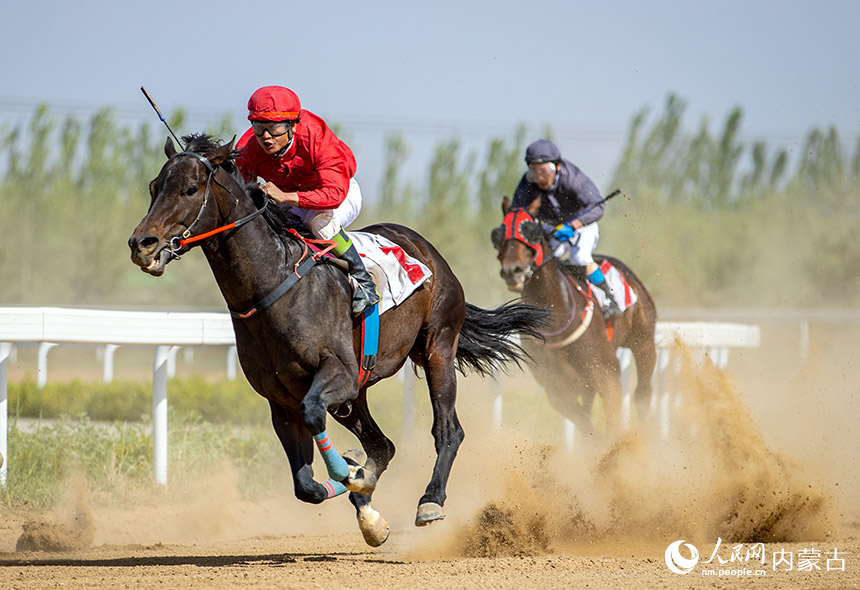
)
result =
(643, 346)
(438, 364)
(645, 354)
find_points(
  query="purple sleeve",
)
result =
(586, 193)
(523, 195)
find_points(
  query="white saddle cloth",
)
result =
(622, 293)
(395, 273)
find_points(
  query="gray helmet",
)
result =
(542, 150)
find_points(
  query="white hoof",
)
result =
(429, 512)
(373, 527)
(360, 480)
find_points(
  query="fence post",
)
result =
(232, 361)
(42, 363)
(5, 352)
(109, 352)
(661, 392)
(496, 395)
(408, 373)
(625, 359)
(569, 429)
(159, 412)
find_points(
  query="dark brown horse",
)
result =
(577, 360)
(297, 340)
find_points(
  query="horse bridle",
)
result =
(513, 231)
(176, 243)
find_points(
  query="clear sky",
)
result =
(443, 69)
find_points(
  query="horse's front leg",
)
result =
(299, 448)
(332, 386)
(379, 450)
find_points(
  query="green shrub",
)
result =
(116, 458)
(233, 402)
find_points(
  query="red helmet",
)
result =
(274, 103)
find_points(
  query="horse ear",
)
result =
(497, 237)
(506, 204)
(534, 207)
(531, 231)
(169, 148)
(222, 153)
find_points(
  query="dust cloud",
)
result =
(516, 491)
(71, 527)
(713, 477)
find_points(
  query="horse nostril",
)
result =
(145, 244)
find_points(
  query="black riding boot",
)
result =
(610, 309)
(364, 294)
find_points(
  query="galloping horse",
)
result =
(577, 360)
(297, 341)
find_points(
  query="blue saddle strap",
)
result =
(369, 343)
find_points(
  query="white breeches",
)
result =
(580, 249)
(326, 223)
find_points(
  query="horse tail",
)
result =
(486, 338)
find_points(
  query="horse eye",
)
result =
(191, 190)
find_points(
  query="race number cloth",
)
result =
(395, 273)
(623, 294)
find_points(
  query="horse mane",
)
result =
(203, 143)
(279, 217)
(282, 220)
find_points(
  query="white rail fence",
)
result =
(167, 331)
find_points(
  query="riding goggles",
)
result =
(541, 171)
(275, 128)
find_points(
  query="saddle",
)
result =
(622, 292)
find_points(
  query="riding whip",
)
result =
(160, 116)
(614, 193)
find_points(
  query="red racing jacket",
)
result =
(317, 166)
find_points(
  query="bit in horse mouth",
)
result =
(158, 262)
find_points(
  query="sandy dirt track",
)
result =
(769, 459)
(341, 560)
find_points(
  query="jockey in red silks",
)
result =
(306, 167)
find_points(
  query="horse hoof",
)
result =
(360, 480)
(355, 457)
(428, 512)
(373, 527)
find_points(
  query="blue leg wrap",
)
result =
(596, 277)
(334, 463)
(333, 488)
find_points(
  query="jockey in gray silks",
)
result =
(569, 211)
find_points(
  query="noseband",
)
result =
(179, 242)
